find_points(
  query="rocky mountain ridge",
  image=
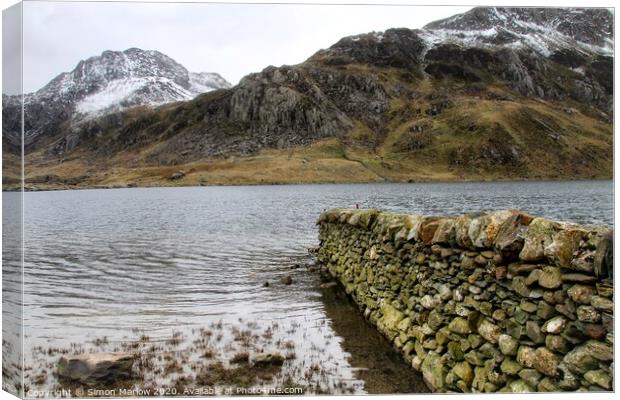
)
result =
(470, 97)
(591, 28)
(102, 85)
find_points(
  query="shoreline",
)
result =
(250, 184)
(231, 356)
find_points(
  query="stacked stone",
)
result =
(481, 302)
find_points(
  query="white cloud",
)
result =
(232, 39)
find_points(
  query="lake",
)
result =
(110, 267)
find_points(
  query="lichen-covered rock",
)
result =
(427, 230)
(489, 331)
(532, 329)
(445, 232)
(525, 356)
(433, 371)
(520, 386)
(599, 350)
(555, 325)
(544, 310)
(363, 218)
(484, 229)
(602, 304)
(580, 361)
(557, 343)
(510, 236)
(563, 246)
(464, 371)
(530, 376)
(598, 377)
(508, 345)
(548, 385)
(539, 236)
(518, 285)
(581, 294)
(546, 362)
(461, 230)
(510, 367)
(391, 316)
(578, 278)
(568, 380)
(550, 278)
(588, 314)
(603, 260)
(459, 325)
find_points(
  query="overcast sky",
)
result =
(230, 39)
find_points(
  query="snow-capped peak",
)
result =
(116, 80)
(543, 30)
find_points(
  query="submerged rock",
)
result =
(268, 359)
(96, 368)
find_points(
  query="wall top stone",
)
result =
(516, 235)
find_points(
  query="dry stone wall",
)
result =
(498, 302)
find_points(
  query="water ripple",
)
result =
(111, 261)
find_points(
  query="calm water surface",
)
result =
(116, 262)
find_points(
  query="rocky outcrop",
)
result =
(96, 368)
(465, 92)
(492, 302)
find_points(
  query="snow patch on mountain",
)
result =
(201, 82)
(118, 80)
(541, 30)
(124, 93)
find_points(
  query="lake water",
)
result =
(125, 263)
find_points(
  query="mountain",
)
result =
(495, 93)
(544, 29)
(105, 84)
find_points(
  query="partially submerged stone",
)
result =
(267, 359)
(96, 368)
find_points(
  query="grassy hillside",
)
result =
(427, 130)
(472, 139)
